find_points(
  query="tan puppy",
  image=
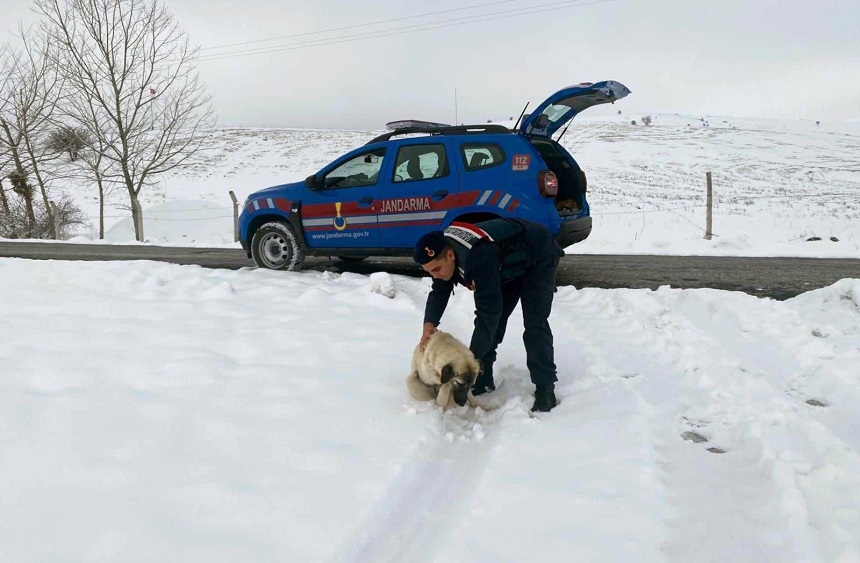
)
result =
(444, 371)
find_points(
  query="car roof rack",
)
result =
(435, 129)
(405, 123)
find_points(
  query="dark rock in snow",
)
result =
(694, 437)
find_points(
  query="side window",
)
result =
(479, 156)
(420, 162)
(362, 170)
(546, 150)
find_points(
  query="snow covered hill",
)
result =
(154, 412)
(776, 184)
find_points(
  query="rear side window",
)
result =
(420, 162)
(546, 150)
(477, 156)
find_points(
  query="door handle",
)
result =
(439, 195)
(365, 201)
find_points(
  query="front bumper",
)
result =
(573, 231)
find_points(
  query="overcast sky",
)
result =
(758, 58)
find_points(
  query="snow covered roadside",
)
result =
(781, 187)
(153, 412)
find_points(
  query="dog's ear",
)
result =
(444, 395)
(447, 373)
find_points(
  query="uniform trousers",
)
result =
(534, 289)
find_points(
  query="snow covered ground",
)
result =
(154, 412)
(777, 183)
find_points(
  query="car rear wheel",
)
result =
(275, 246)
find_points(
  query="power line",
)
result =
(406, 29)
(368, 24)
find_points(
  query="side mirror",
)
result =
(311, 182)
(371, 159)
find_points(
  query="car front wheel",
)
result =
(275, 246)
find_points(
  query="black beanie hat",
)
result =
(429, 246)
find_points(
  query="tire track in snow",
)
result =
(740, 502)
(426, 500)
(716, 506)
(816, 467)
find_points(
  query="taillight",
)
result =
(584, 181)
(547, 183)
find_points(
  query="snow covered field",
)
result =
(777, 183)
(154, 412)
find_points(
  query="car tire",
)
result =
(351, 258)
(275, 246)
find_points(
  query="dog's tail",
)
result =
(419, 390)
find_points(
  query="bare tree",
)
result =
(4, 201)
(5, 158)
(136, 87)
(10, 137)
(4, 154)
(29, 95)
(102, 171)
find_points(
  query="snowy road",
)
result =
(779, 278)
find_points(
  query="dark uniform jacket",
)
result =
(489, 254)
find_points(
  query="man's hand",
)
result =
(429, 329)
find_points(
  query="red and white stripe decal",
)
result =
(477, 231)
(320, 216)
(269, 203)
(508, 201)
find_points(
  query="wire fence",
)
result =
(642, 206)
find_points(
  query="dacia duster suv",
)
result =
(379, 199)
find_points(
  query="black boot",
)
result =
(484, 383)
(545, 399)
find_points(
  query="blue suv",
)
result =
(377, 200)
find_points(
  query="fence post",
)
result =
(709, 216)
(235, 216)
(56, 213)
